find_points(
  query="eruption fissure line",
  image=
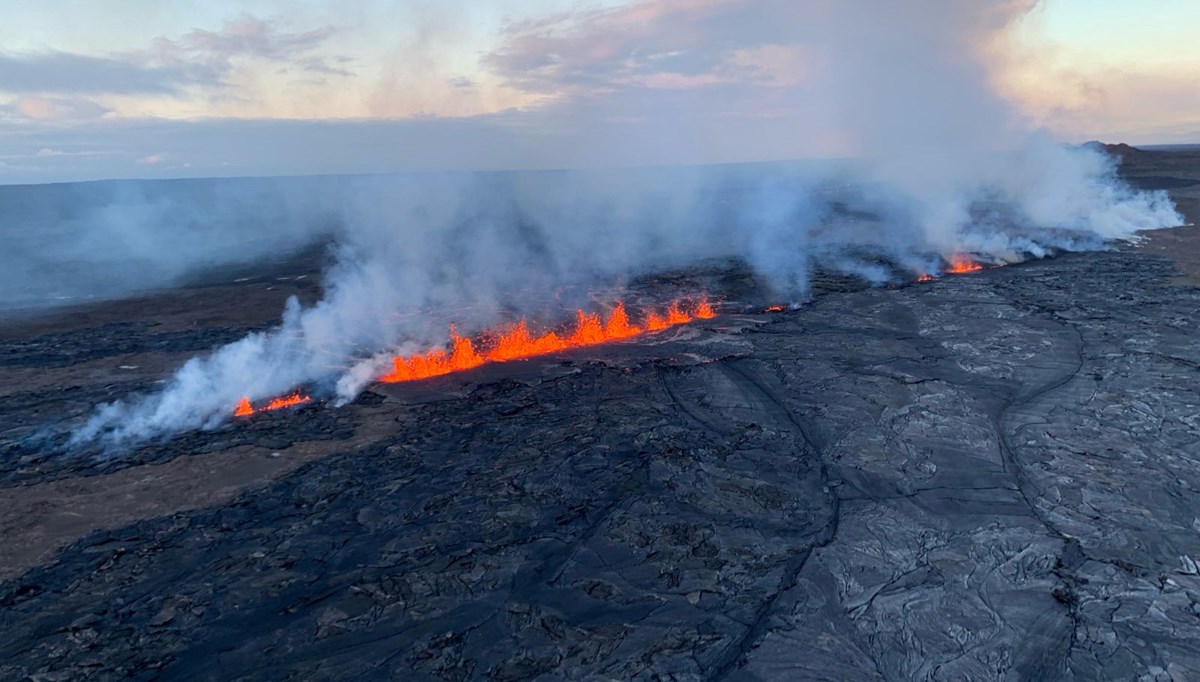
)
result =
(245, 408)
(513, 343)
(958, 265)
(961, 264)
(516, 342)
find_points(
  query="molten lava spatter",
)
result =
(961, 264)
(286, 401)
(925, 277)
(245, 408)
(515, 342)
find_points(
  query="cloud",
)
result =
(40, 108)
(169, 66)
(658, 44)
(249, 37)
(47, 152)
(74, 73)
(648, 82)
(224, 147)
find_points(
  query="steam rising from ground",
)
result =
(945, 167)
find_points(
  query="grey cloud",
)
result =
(253, 36)
(275, 147)
(50, 152)
(168, 66)
(615, 48)
(579, 133)
(52, 108)
(325, 66)
(250, 37)
(64, 72)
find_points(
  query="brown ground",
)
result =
(38, 520)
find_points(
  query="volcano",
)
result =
(980, 477)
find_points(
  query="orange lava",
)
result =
(516, 341)
(925, 277)
(245, 408)
(961, 264)
(775, 309)
(286, 401)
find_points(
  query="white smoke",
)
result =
(944, 166)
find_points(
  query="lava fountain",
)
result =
(961, 264)
(245, 408)
(516, 342)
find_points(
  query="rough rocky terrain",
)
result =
(989, 476)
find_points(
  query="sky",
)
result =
(162, 88)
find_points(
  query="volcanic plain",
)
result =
(988, 476)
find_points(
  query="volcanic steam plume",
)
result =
(943, 167)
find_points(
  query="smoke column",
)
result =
(943, 165)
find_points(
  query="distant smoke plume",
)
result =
(944, 166)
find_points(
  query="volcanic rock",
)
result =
(988, 476)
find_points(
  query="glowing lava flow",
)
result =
(516, 342)
(961, 264)
(512, 343)
(245, 409)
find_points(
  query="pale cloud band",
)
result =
(644, 81)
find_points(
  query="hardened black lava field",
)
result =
(988, 476)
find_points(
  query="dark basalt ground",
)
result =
(991, 476)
